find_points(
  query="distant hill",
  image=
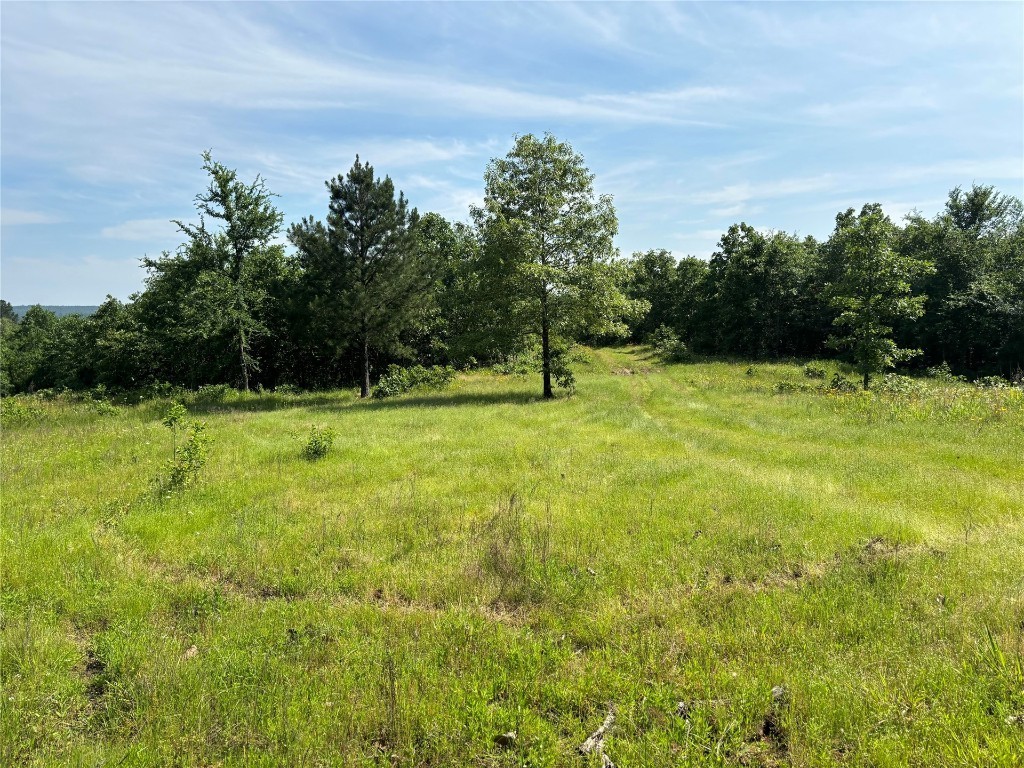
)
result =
(60, 310)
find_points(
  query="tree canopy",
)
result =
(532, 271)
(552, 240)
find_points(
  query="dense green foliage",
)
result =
(469, 563)
(377, 284)
(363, 279)
(950, 288)
(549, 243)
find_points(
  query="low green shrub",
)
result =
(105, 408)
(519, 364)
(398, 380)
(319, 443)
(840, 383)
(186, 460)
(895, 384)
(209, 394)
(992, 382)
(191, 457)
(19, 410)
(789, 387)
(815, 371)
(941, 372)
(667, 345)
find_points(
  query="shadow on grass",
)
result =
(268, 403)
(441, 400)
(432, 400)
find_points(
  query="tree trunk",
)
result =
(545, 345)
(867, 379)
(241, 352)
(365, 389)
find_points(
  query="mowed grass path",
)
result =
(478, 561)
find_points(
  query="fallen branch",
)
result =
(595, 741)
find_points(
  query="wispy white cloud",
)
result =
(141, 229)
(737, 194)
(12, 217)
(689, 115)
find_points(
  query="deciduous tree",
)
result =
(550, 238)
(872, 290)
(220, 277)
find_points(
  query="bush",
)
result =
(19, 410)
(942, 372)
(398, 380)
(842, 384)
(815, 371)
(211, 393)
(287, 389)
(895, 384)
(789, 387)
(562, 373)
(156, 391)
(319, 443)
(190, 458)
(186, 461)
(105, 408)
(518, 364)
(667, 344)
(992, 382)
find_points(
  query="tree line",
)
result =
(375, 282)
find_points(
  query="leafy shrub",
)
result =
(105, 408)
(815, 371)
(895, 384)
(319, 443)
(518, 364)
(563, 375)
(189, 459)
(992, 382)
(17, 411)
(287, 389)
(176, 414)
(211, 393)
(941, 372)
(841, 384)
(156, 391)
(398, 380)
(667, 344)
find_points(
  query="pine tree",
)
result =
(365, 274)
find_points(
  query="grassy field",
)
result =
(474, 562)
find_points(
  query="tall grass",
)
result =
(469, 563)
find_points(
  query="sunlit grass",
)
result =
(472, 562)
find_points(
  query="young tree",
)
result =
(368, 279)
(872, 289)
(221, 277)
(551, 240)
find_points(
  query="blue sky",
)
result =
(693, 116)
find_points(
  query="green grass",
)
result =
(471, 562)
